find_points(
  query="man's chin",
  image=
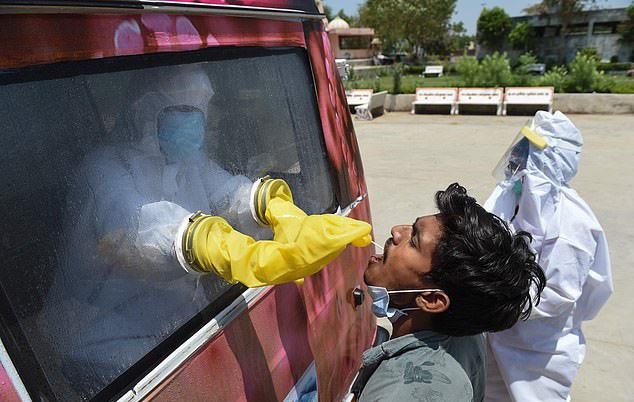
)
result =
(371, 271)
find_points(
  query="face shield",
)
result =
(515, 157)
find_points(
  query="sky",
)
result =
(468, 11)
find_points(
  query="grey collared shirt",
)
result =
(426, 366)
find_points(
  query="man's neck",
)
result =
(410, 324)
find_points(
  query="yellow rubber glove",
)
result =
(302, 244)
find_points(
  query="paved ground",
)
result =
(407, 158)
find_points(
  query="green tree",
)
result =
(419, 24)
(459, 38)
(493, 26)
(352, 20)
(328, 12)
(521, 36)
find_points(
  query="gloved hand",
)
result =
(158, 225)
(302, 245)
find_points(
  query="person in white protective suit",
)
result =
(537, 359)
(124, 205)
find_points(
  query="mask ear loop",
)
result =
(413, 291)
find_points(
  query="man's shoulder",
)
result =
(428, 372)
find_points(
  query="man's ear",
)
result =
(433, 302)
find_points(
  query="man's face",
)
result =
(407, 255)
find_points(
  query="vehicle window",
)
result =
(86, 146)
(355, 42)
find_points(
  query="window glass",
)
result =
(355, 42)
(604, 28)
(86, 146)
(577, 29)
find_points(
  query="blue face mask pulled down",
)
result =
(181, 131)
(381, 302)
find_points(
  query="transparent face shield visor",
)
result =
(515, 157)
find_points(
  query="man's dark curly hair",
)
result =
(486, 270)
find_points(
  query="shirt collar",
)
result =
(403, 344)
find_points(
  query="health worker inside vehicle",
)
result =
(118, 196)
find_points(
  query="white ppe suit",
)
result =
(538, 359)
(128, 298)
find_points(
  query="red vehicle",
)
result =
(82, 88)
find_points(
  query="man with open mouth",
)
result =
(443, 281)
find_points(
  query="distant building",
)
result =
(351, 43)
(590, 29)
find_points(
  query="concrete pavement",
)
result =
(408, 158)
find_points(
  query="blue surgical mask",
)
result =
(381, 302)
(181, 131)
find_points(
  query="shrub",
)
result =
(555, 77)
(397, 73)
(614, 66)
(523, 80)
(415, 70)
(525, 59)
(495, 70)
(583, 73)
(604, 83)
(352, 75)
(377, 85)
(468, 68)
(409, 87)
(522, 76)
(623, 87)
(591, 52)
(350, 85)
(383, 72)
(584, 77)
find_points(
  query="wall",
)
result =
(347, 53)
(594, 103)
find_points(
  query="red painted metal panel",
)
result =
(339, 332)
(39, 39)
(257, 357)
(7, 391)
